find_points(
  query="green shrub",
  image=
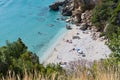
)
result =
(101, 13)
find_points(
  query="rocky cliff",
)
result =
(73, 8)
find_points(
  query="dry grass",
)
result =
(97, 72)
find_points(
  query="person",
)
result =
(73, 49)
(55, 49)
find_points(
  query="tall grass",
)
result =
(97, 71)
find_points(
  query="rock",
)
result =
(58, 19)
(67, 11)
(84, 26)
(68, 20)
(83, 55)
(94, 28)
(51, 25)
(55, 6)
(67, 8)
(83, 16)
(76, 37)
(68, 27)
(39, 33)
(77, 16)
(95, 35)
(90, 24)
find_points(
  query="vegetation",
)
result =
(101, 14)
(104, 70)
(18, 63)
(106, 19)
(15, 58)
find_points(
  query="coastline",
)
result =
(62, 50)
(52, 44)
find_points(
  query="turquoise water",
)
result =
(30, 20)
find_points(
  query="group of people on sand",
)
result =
(79, 51)
(68, 41)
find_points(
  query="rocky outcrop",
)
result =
(78, 10)
(67, 8)
(67, 11)
(75, 8)
(77, 15)
(55, 6)
(86, 16)
(84, 26)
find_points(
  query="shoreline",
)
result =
(62, 50)
(52, 44)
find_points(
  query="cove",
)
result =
(30, 20)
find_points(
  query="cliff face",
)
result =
(74, 8)
(71, 5)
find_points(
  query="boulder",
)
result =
(83, 16)
(67, 11)
(76, 37)
(67, 8)
(77, 15)
(95, 35)
(68, 20)
(84, 26)
(68, 27)
(94, 28)
(55, 6)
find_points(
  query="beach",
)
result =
(75, 45)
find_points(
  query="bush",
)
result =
(101, 14)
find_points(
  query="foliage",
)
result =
(106, 18)
(16, 58)
(101, 13)
(102, 70)
(113, 34)
(87, 5)
(114, 44)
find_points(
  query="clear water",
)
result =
(30, 20)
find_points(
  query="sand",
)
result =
(67, 49)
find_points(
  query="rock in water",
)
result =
(68, 27)
(54, 7)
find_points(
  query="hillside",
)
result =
(103, 16)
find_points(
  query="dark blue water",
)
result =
(30, 20)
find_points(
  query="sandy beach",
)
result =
(75, 45)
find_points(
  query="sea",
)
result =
(32, 21)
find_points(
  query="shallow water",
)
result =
(30, 20)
